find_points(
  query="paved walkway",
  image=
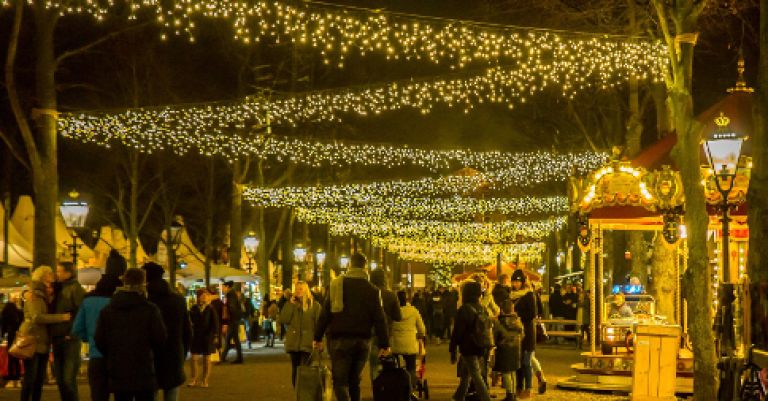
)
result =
(265, 376)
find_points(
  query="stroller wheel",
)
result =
(426, 390)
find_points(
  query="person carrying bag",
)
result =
(313, 380)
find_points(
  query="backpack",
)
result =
(481, 329)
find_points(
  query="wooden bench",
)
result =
(576, 333)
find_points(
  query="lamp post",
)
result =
(344, 263)
(251, 245)
(74, 212)
(320, 259)
(723, 150)
(172, 242)
(300, 255)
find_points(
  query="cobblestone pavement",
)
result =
(265, 376)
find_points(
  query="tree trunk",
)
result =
(637, 249)
(664, 277)
(236, 216)
(209, 220)
(287, 247)
(46, 181)
(133, 216)
(758, 185)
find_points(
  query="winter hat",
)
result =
(471, 292)
(518, 275)
(116, 264)
(153, 271)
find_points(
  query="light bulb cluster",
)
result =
(225, 128)
(344, 224)
(398, 245)
(444, 209)
(337, 31)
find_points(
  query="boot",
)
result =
(542, 382)
(510, 397)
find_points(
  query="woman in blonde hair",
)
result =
(300, 317)
(36, 319)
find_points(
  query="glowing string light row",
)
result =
(336, 31)
(445, 209)
(452, 253)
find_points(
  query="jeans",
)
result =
(66, 365)
(172, 394)
(373, 362)
(347, 362)
(410, 367)
(233, 335)
(535, 364)
(34, 376)
(298, 358)
(98, 379)
(471, 371)
(525, 373)
(508, 380)
(135, 396)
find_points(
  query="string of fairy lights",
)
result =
(224, 128)
(337, 31)
(444, 209)
(462, 253)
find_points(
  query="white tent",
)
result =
(114, 238)
(193, 262)
(19, 250)
(24, 219)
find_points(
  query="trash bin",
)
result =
(655, 366)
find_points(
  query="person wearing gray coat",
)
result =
(299, 315)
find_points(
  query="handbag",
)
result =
(313, 380)
(23, 346)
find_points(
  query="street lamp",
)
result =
(320, 259)
(251, 245)
(300, 255)
(173, 241)
(344, 263)
(374, 265)
(723, 150)
(74, 212)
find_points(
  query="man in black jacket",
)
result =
(129, 333)
(234, 312)
(351, 311)
(169, 361)
(68, 296)
(392, 313)
(470, 342)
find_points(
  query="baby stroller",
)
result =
(421, 383)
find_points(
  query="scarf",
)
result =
(337, 288)
(515, 295)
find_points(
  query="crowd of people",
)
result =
(141, 332)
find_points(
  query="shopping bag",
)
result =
(313, 380)
(23, 347)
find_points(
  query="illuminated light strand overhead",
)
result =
(446, 253)
(448, 258)
(337, 31)
(445, 209)
(224, 128)
(342, 224)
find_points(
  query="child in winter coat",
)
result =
(507, 334)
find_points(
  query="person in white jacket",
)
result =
(408, 335)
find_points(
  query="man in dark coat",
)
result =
(68, 296)
(129, 333)
(525, 306)
(169, 361)
(466, 338)
(350, 312)
(392, 313)
(234, 312)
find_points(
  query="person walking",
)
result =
(68, 295)
(450, 306)
(11, 319)
(300, 317)
(437, 316)
(284, 298)
(507, 335)
(525, 307)
(218, 307)
(204, 328)
(169, 360)
(538, 371)
(391, 314)
(84, 328)
(408, 335)
(129, 333)
(472, 337)
(233, 309)
(268, 324)
(352, 310)
(36, 322)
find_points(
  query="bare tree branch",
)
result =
(13, 148)
(97, 42)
